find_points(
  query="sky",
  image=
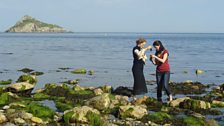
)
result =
(172, 16)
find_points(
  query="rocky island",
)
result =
(30, 24)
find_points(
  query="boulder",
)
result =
(130, 111)
(22, 88)
(176, 102)
(99, 102)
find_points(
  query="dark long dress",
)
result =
(137, 70)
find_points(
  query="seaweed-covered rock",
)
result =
(26, 70)
(72, 82)
(130, 111)
(79, 71)
(5, 82)
(188, 88)
(27, 78)
(22, 88)
(194, 104)
(91, 72)
(8, 97)
(160, 117)
(37, 73)
(79, 114)
(100, 102)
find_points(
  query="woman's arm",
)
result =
(163, 60)
(142, 52)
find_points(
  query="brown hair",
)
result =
(140, 40)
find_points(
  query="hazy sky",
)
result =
(119, 15)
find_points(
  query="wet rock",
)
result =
(26, 70)
(188, 88)
(64, 68)
(123, 91)
(91, 72)
(194, 104)
(36, 73)
(132, 111)
(72, 82)
(99, 102)
(176, 102)
(79, 71)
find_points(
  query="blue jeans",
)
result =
(162, 79)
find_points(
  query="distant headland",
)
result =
(29, 24)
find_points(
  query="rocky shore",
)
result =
(105, 106)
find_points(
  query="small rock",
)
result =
(176, 102)
(19, 121)
(132, 111)
(199, 71)
(98, 91)
(36, 120)
(3, 118)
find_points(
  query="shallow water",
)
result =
(110, 55)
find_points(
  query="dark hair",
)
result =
(140, 40)
(161, 48)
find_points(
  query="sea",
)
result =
(110, 56)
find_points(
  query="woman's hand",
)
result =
(149, 47)
(153, 56)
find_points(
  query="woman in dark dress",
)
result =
(138, 66)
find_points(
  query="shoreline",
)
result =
(109, 106)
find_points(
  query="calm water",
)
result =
(110, 55)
